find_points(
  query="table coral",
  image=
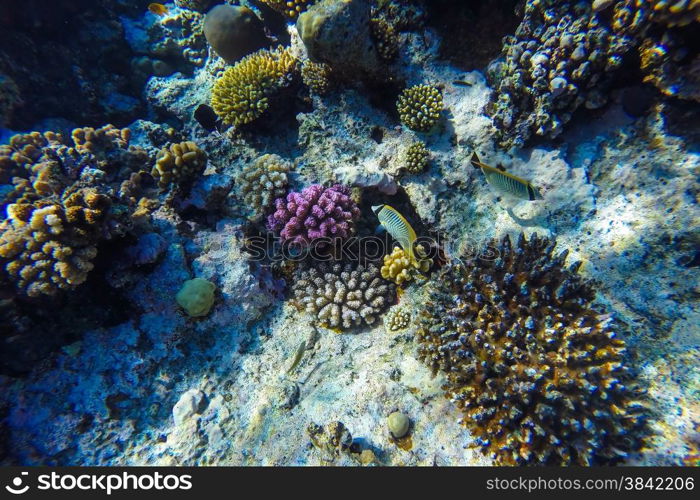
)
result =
(316, 212)
(179, 165)
(244, 91)
(262, 181)
(538, 372)
(419, 107)
(342, 296)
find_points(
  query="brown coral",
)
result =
(316, 76)
(262, 181)
(419, 107)
(179, 164)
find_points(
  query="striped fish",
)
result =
(507, 183)
(398, 227)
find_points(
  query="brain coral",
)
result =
(262, 181)
(343, 295)
(316, 212)
(419, 107)
(537, 371)
(243, 92)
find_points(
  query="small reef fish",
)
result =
(462, 83)
(297, 356)
(158, 9)
(505, 182)
(398, 227)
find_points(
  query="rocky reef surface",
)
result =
(119, 373)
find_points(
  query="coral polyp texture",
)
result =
(343, 295)
(316, 76)
(385, 37)
(179, 164)
(419, 107)
(561, 57)
(417, 158)
(397, 318)
(538, 372)
(263, 181)
(400, 268)
(316, 212)
(244, 91)
(671, 13)
(290, 8)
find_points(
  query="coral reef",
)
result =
(290, 8)
(399, 268)
(198, 5)
(262, 182)
(537, 371)
(397, 318)
(330, 440)
(316, 76)
(234, 32)
(385, 37)
(179, 165)
(419, 107)
(560, 58)
(342, 296)
(196, 297)
(244, 91)
(417, 158)
(315, 212)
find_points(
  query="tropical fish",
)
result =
(158, 9)
(398, 227)
(462, 83)
(297, 356)
(505, 182)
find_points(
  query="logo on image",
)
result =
(16, 488)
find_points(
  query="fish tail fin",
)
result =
(476, 163)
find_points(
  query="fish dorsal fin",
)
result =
(476, 163)
(501, 167)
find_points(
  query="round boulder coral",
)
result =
(419, 107)
(538, 372)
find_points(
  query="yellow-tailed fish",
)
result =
(158, 9)
(398, 227)
(505, 182)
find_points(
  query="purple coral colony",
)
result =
(529, 187)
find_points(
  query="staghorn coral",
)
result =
(243, 92)
(537, 371)
(397, 318)
(179, 164)
(315, 212)
(316, 76)
(561, 57)
(417, 157)
(342, 296)
(419, 107)
(263, 181)
(385, 38)
(399, 268)
(290, 8)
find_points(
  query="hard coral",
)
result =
(385, 38)
(263, 181)
(537, 371)
(399, 268)
(419, 107)
(290, 8)
(343, 296)
(417, 157)
(397, 318)
(316, 212)
(243, 92)
(179, 164)
(198, 5)
(316, 76)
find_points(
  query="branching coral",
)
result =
(243, 92)
(397, 318)
(316, 76)
(263, 181)
(399, 268)
(290, 8)
(419, 107)
(316, 212)
(537, 371)
(343, 296)
(417, 156)
(179, 164)
(385, 38)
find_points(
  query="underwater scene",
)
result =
(350, 232)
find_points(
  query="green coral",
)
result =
(419, 107)
(538, 372)
(262, 181)
(243, 92)
(196, 297)
(417, 157)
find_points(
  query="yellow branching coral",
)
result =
(399, 268)
(316, 76)
(242, 93)
(417, 157)
(179, 164)
(419, 107)
(290, 8)
(385, 37)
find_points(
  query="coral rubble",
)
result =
(538, 372)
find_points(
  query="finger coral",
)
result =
(243, 92)
(343, 296)
(399, 268)
(538, 372)
(290, 8)
(316, 76)
(263, 181)
(315, 212)
(417, 157)
(179, 164)
(419, 107)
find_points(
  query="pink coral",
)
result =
(316, 212)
